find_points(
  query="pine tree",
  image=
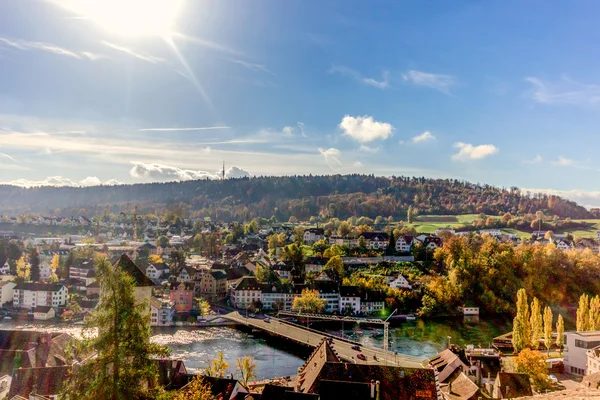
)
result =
(583, 313)
(537, 327)
(122, 367)
(594, 318)
(409, 214)
(548, 317)
(391, 249)
(34, 262)
(560, 330)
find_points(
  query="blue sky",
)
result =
(505, 93)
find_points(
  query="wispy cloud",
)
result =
(139, 56)
(207, 43)
(332, 157)
(365, 129)
(536, 160)
(61, 181)
(564, 162)
(440, 82)
(252, 66)
(4, 155)
(367, 149)
(301, 127)
(48, 48)
(469, 152)
(423, 137)
(565, 91)
(350, 73)
(203, 128)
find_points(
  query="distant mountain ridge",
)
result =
(340, 196)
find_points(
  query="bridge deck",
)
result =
(312, 338)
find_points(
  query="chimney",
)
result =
(372, 389)
(377, 389)
(450, 388)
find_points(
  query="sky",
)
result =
(128, 91)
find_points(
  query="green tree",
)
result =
(548, 317)
(251, 227)
(123, 367)
(594, 319)
(217, 367)
(335, 263)
(533, 363)
(391, 248)
(308, 302)
(362, 243)
(34, 262)
(537, 326)
(162, 241)
(583, 313)
(246, 367)
(522, 329)
(197, 389)
(560, 331)
(294, 254)
(519, 341)
(344, 229)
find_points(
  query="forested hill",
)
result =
(338, 196)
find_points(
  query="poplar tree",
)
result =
(594, 319)
(560, 330)
(537, 328)
(548, 317)
(583, 313)
(519, 341)
(521, 323)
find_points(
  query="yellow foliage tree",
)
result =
(55, 263)
(23, 269)
(197, 389)
(217, 367)
(155, 259)
(308, 302)
(533, 363)
(246, 367)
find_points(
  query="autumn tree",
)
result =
(533, 363)
(560, 330)
(294, 254)
(246, 367)
(594, 318)
(548, 317)
(197, 389)
(583, 313)
(537, 326)
(217, 367)
(308, 302)
(118, 333)
(55, 263)
(23, 269)
(203, 307)
(519, 340)
(521, 323)
(335, 263)
(162, 241)
(344, 229)
(34, 262)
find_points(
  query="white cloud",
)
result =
(253, 66)
(469, 152)
(365, 129)
(585, 198)
(62, 181)
(536, 160)
(204, 128)
(350, 73)
(368, 149)
(288, 130)
(441, 82)
(423, 137)
(565, 91)
(139, 56)
(332, 157)
(357, 164)
(4, 155)
(166, 173)
(48, 48)
(301, 127)
(564, 162)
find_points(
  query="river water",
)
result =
(196, 346)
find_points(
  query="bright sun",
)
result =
(130, 17)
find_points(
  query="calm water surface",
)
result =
(421, 338)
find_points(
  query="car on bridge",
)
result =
(356, 347)
(267, 319)
(361, 356)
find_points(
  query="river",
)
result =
(421, 339)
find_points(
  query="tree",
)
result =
(34, 262)
(521, 323)
(217, 367)
(344, 229)
(362, 243)
(55, 263)
(548, 317)
(197, 389)
(293, 220)
(537, 327)
(299, 235)
(23, 269)
(308, 302)
(53, 278)
(533, 363)
(162, 241)
(246, 367)
(594, 318)
(411, 214)
(294, 254)
(583, 313)
(203, 307)
(123, 367)
(560, 331)
(155, 259)
(335, 263)
(251, 227)
(519, 340)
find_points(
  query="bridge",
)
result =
(313, 338)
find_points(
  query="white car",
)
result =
(553, 379)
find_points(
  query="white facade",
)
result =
(347, 302)
(153, 273)
(332, 301)
(6, 292)
(369, 307)
(185, 275)
(274, 297)
(593, 361)
(400, 283)
(161, 312)
(245, 292)
(492, 232)
(564, 245)
(45, 271)
(576, 349)
(313, 235)
(469, 310)
(403, 244)
(31, 295)
(5, 268)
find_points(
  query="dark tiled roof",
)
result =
(236, 273)
(349, 291)
(219, 386)
(42, 309)
(45, 381)
(186, 286)
(248, 283)
(460, 387)
(218, 275)
(172, 374)
(124, 263)
(161, 266)
(375, 235)
(39, 287)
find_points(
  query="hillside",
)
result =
(338, 196)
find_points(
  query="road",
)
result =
(312, 338)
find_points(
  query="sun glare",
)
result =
(130, 17)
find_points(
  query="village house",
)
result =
(576, 349)
(276, 297)
(372, 302)
(315, 264)
(564, 244)
(31, 295)
(211, 285)
(313, 235)
(157, 271)
(246, 292)
(376, 240)
(4, 266)
(349, 299)
(283, 270)
(161, 312)
(182, 295)
(43, 313)
(186, 274)
(404, 244)
(329, 292)
(588, 243)
(398, 282)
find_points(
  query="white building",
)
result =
(404, 244)
(593, 361)
(469, 310)
(43, 313)
(283, 270)
(399, 282)
(161, 312)
(492, 232)
(576, 349)
(157, 271)
(246, 291)
(274, 297)
(186, 274)
(4, 267)
(563, 244)
(349, 299)
(329, 292)
(31, 295)
(313, 235)
(45, 271)
(7, 290)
